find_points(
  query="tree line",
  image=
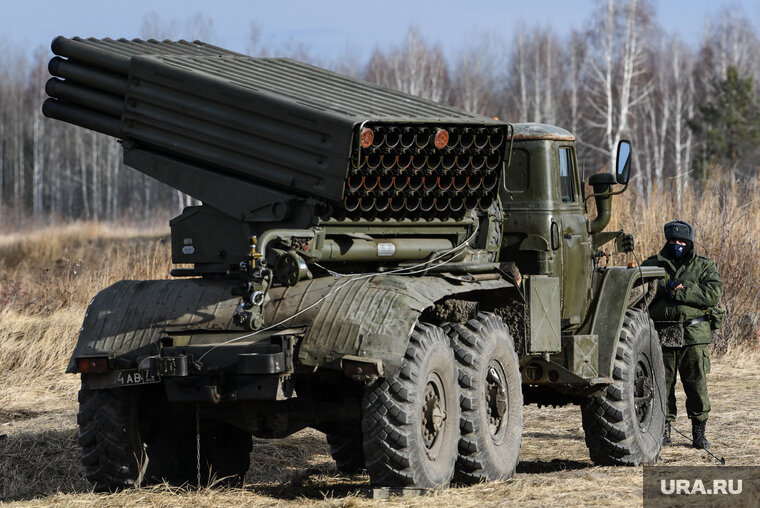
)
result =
(689, 109)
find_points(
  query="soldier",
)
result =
(685, 312)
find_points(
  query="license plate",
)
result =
(135, 377)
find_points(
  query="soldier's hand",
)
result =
(672, 285)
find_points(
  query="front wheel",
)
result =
(410, 421)
(624, 426)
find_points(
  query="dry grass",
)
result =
(39, 460)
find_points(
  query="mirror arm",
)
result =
(609, 194)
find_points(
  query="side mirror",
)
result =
(623, 165)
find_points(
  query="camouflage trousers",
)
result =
(692, 364)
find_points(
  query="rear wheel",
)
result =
(122, 449)
(491, 402)
(346, 451)
(625, 425)
(410, 421)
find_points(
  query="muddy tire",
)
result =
(410, 421)
(225, 455)
(624, 426)
(112, 453)
(122, 450)
(346, 451)
(491, 401)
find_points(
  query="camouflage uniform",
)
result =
(682, 318)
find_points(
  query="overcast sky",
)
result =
(329, 27)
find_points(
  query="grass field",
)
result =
(39, 458)
(48, 274)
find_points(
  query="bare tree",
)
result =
(617, 66)
(415, 67)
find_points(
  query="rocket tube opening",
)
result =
(441, 203)
(485, 202)
(392, 137)
(481, 138)
(379, 137)
(422, 138)
(429, 183)
(456, 203)
(463, 161)
(388, 160)
(490, 181)
(412, 203)
(407, 138)
(433, 161)
(415, 182)
(374, 160)
(385, 182)
(351, 203)
(397, 203)
(496, 138)
(445, 182)
(448, 161)
(382, 203)
(370, 182)
(493, 160)
(419, 161)
(404, 160)
(400, 182)
(355, 182)
(427, 203)
(466, 138)
(460, 182)
(477, 161)
(367, 203)
(471, 202)
(474, 182)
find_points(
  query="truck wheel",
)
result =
(491, 403)
(120, 449)
(112, 452)
(624, 426)
(410, 421)
(346, 451)
(225, 455)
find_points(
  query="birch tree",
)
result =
(616, 69)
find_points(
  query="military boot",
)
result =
(698, 434)
(666, 436)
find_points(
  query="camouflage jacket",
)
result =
(702, 288)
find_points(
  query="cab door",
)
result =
(573, 239)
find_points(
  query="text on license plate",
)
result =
(135, 377)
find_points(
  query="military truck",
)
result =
(398, 274)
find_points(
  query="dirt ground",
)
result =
(39, 458)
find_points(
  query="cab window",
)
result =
(517, 175)
(566, 180)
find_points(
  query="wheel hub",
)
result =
(496, 398)
(643, 393)
(433, 417)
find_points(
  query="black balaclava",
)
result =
(679, 230)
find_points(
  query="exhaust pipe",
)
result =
(602, 185)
